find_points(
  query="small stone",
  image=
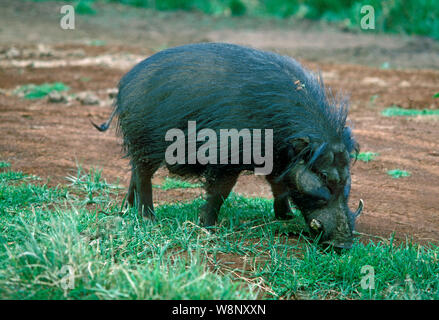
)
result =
(88, 98)
(112, 93)
(404, 84)
(56, 97)
(374, 81)
(12, 53)
(77, 53)
(44, 51)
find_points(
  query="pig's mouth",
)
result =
(343, 239)
(338, 245)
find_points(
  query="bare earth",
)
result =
(50, 139)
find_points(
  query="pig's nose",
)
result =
(338, 246)
(343, 245)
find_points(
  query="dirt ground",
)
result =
(50, 139)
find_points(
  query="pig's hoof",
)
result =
(206, 219)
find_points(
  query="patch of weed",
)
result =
(398, 173)
(32, 91)
(367, 156)
(173, 183)
(397, 111)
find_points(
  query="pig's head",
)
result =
(320, 185)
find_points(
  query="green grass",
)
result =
(85, 7)
(32, 91)
(412, 17)
(4, 164)
(55, 244)
(400, 112)
(18, 191)
(398, 173)
(367, 156)
(173, 183)
(398, 16)
(92, 185)
(97, 43)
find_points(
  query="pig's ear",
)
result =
(299, 144)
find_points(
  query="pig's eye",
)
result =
(323, 175)
(321, 202)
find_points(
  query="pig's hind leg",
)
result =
(140, 189)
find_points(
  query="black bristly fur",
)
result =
(226, 86)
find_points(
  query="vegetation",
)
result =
(413, 17)
(85, 7)
(57, 244)
(398, 173)
(397, 111)
(33, 91)
(407, 16)
(366, 156)
(173, 183)
(4, 164)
